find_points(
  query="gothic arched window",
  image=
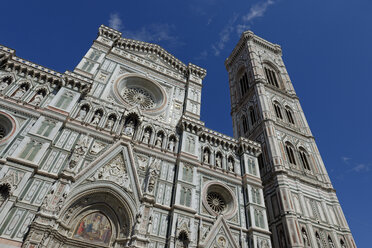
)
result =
(290, 154)
(304, 158)
(245, 124)
(4, 192)
(252, 114)
(289, 113)
(278, 110)
(271, 76)
(243, 81)
(183, 238)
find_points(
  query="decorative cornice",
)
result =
(250, 36)
(109, 33)
(23, 67)
(240, 145)
(146, 47)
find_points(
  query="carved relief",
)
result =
(115, 171)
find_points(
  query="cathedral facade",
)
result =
(114, 154)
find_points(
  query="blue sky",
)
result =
(326, 48)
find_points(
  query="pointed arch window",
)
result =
(252, 115)
(289, 113)
(290, 154)
(271, 76)
(245, 124)
(278, 110)
(304, 158)
(243, 81)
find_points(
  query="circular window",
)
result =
(216, 202)
(219, 199)
(138, 96)
(139, 91)
(7, 126)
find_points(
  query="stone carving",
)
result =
(3, 85)
(115, 171)
(171, 145)
(97, 147)
(20, 92)
(146, 136)
(221, 241)
(129, 128)
(82, 113)
(142, 162)
(206, 157)
(53, 202)
(153, 175)
(96, 118)
(159, 141)
(80, 149)
(230, 165)
(264, 244)
(305, 238)
(110, 123)
(38, 98)
(318, 241)
(219, 161)
(330, 243)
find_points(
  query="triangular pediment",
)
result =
(219, 236)
(114, 166)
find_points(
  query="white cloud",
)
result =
(224, 35)
(361, 167)
(115, 21)
(155, 32)
(257, 10)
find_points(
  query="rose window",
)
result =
(216, 202)
(219, 199)
(138, 96)
(2, 133)
(7, 126)
(136, 90)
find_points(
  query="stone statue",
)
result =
(330, 243)
(206, 157)
(38, 98)
(82, 113)
(159, 141)
(20, 92)
(305, 238)
(110, 123)
(146, 136)
(153, 175)
(218, 162)
(171, 145)
(264, 244)
(3, 85)
(230, 165)
(96, 119)
(129, 128)
(49, 197)
(80, 149)
(318, 241)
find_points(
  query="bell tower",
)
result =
(303, 209)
